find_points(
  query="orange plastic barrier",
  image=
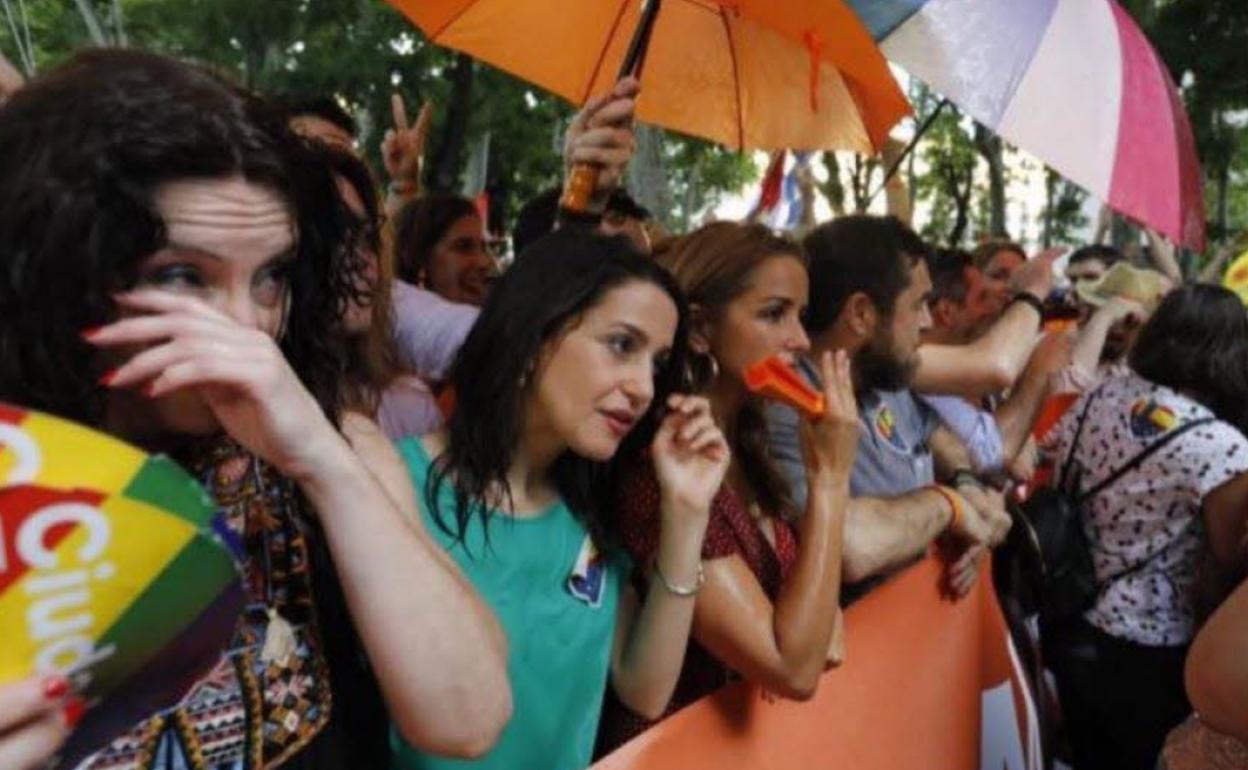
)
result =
(928, 684)
(1051, 412)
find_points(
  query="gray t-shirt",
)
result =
(893, 456)
(893, 453)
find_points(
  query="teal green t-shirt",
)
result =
(559, 642)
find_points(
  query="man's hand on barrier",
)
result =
(964, 570)
(989, 505)
(969, 527)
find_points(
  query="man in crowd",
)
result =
(869, 287)
(995, 439)
(623, 216)
(1112, 308)
(1091, 262)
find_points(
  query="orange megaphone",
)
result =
(773, 378)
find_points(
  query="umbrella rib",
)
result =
(736, 78)
(458, 15)
(602, 54)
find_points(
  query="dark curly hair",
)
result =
(562, 275)
(82, 150)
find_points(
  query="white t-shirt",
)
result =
(1153, 512)
(428, 329)
(408, 408)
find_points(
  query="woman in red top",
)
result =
(766, 607)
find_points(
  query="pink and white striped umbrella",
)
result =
(1073, 82)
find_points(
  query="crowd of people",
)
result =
(513, 518)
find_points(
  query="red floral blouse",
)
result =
(730, 530)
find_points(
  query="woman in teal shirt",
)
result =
(577, 348)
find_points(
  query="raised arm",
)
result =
(453, 697)
(784, 647)
(1086, 356)
(994, 361)
(1018, 413)
(1217, 668)
(690, 458)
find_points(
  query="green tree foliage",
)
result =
(1205, 45)
(359, 51)
(948, 155)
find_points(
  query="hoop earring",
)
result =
(701, 371)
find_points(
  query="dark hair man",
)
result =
(869, 289)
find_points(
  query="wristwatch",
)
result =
(964, 476)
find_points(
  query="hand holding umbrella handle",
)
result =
(579, 190)
(599, 145)
(578, 193)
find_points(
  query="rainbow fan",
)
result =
(115, 568)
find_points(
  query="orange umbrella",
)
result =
(765, 74)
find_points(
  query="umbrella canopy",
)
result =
(1074, 82)
(765, 74)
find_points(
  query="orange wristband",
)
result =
(952, 499)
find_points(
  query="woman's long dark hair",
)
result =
(561, 276)
(1197, 343)
(372, 356)
(82, 152)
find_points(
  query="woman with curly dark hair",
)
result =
(174, 267)
(377, 386)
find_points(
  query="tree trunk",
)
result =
(959, 186)
(94, 28)
(119, 25)
(1222, 183)
(834, 188)
(896, 194)
(1050, 182)
(498, 186)
(647, 177)
(988, 145)
(446, 159)
(806, 192)
(691, 197)
(864, 169)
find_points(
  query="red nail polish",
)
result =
(107, 378)
(87, 334)
(74, 711)
(55, 687)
